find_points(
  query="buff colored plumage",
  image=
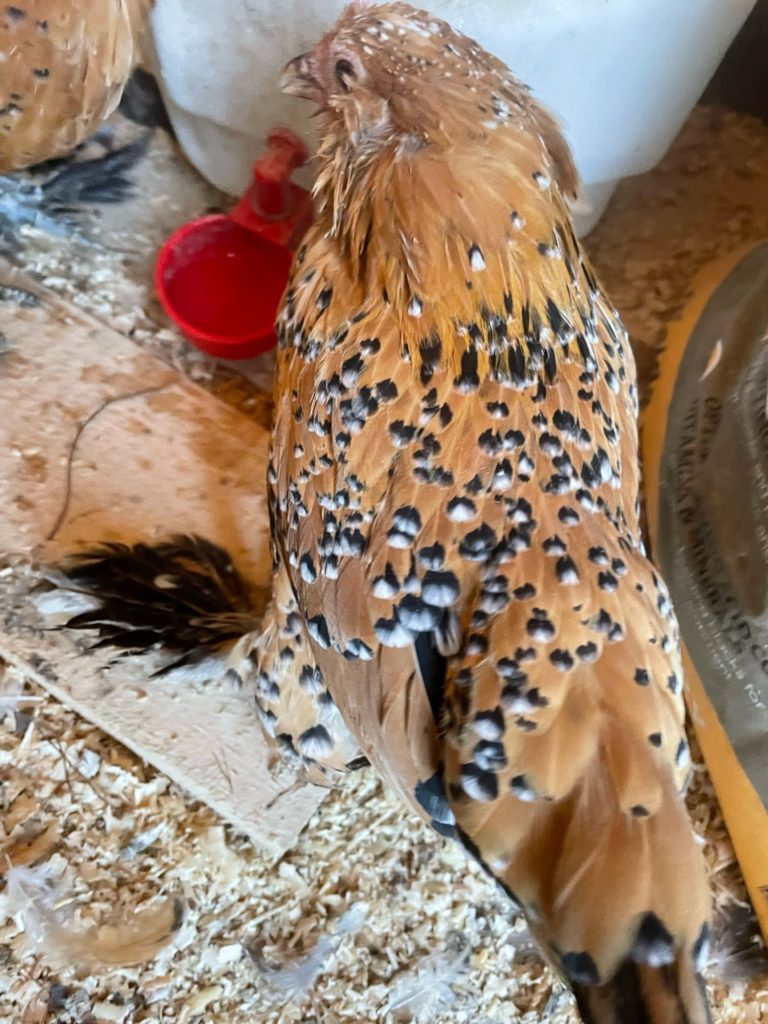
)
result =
(461, 592)
(63, 66)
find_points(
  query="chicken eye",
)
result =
(344, 70)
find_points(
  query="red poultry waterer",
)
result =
(220, 278)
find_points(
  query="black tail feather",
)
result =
(142, 102)
(99, 180)
(183, 596)
(738, 951)
(645, 994)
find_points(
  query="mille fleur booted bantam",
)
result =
(461, 594)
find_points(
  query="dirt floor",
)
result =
(371, 917)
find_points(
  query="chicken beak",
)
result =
(297, 79)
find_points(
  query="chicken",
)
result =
(461, 594)
(65, 63)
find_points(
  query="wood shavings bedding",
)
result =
(247, 919)
(708, 197)
(436, 943)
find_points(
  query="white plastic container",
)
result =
(622, 75)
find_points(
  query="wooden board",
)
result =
(163, 457)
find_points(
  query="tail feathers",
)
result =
(619, 898)
(641, 908)
(102, 179)
(183, 596)
(738, 951)
(646, 993)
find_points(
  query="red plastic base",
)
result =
(222, 284)
(221, 278)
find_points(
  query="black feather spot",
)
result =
(407, 520)
(402, 433)
(522, 788)
(351, 369)
(553, 546)
(432, 556)
(568, 516)
(513, 439)
(432, 668)
(352, 542)
(581, 968)
(311, 679)
(607, 581)
(653, 943)
(477, 545)
(539, 627)
(562, 659)
(587, 652)
(468, 379)
(588, 476)
(511, 673)
(516, 363)
(499, 410)
(563, 420)
(318, 630)
(475, 256)
(430, 351)
(489, 755)
(700, 949)
(387, 585)
(566, 570)
(550, 369)
(475, 644)
(357, 763)
(432, 798)
(478, 784)
(416, 615)
(461, 509)
(307, 569)
(440, 588)
(315, 742)
(489, 724)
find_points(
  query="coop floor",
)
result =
(104, 835)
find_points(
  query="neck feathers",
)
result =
(471, 251)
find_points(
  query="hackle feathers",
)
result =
(418, 175)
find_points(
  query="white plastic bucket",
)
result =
(622, 75)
